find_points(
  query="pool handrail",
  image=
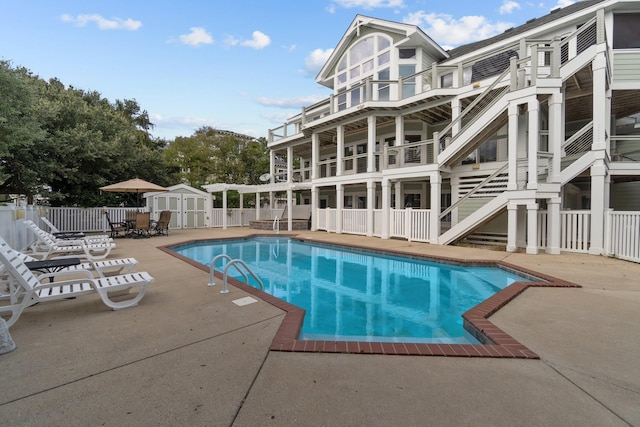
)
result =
(231, 262)
(211, 269)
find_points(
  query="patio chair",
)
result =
(118, 229)
(161, 227)
(68, 240)
(45, 247)
(142, 227)
(61, 234)
(25, 289)
(108, 267)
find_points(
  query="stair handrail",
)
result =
(586, 128)
(485, 93)
(474, 190)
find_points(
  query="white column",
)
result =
(289, 164)
(532, 228)
(339, 207)
(398, 195)
(386, 206)
(340, 150)
(371, 139)
(556, 136)
(436, 190)
(534, 135)
(258, 206)
(598, 175)
(456, 110)
(315, 205)
(399, 130)
(290, 208)
(599, 67)
(224, 209)
(371, 199)
(512, 149)
(553, 226)
(512, 227)
(315, 155)
(272, 166)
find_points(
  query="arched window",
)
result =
(368, 57)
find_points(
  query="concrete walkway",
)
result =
(188, 356)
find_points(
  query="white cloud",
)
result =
(296, 103)
(365, 4)
(259, 40)
(231, 41)
(197, 36)
(508, 6)
(563, 3)
(448, 31)
(316, 60)
(280, 118)
(102, 23)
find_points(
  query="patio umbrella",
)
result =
(135, 185)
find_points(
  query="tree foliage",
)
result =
(65, 143)
(210, 156)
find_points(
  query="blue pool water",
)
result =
(362, 295)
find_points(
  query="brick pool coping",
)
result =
(495, 342)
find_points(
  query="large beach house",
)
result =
(530, 138)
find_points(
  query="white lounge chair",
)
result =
(45, 247)
(25, 289)
(70, 239)
(107, 267)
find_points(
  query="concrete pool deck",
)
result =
(188, 356)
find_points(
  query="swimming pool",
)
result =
(359, 295)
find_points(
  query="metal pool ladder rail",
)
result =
(276, 224)
(235, 263)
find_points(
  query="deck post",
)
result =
(386, 207)
(512, 227)
(434, 218)
(513, 147)
(553, 226)
(339, 207)
(533, 141)
(532, 228)
(371, 199)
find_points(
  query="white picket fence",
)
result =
(623, 237)
(621, 234)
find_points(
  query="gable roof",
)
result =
(554, 15)
(411, 33)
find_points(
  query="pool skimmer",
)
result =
(244, 301)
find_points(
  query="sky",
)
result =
(239, 65)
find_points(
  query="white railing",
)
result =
(237, 217)
(12, 228)
(354, 221)
(575, 230)
(623, 235)
(87, 220)
(420, 230)
(398, 227)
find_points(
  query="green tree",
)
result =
(24, 168)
